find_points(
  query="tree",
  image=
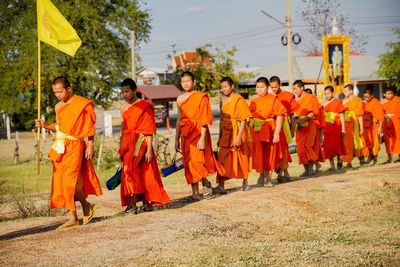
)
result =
(319, 15)
(389, 63)
(222, 64)
(99, 64)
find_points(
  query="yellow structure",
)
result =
(336, 61)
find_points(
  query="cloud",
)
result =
(194, 9)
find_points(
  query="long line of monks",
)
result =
(254, 135)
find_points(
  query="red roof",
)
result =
(320, 54)
(189, 60)
(160, 93)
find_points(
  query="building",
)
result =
(188, 61)
(148, 76)
(309, 69)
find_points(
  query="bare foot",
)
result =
(70, 223)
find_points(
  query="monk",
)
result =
(354, 126)
(265, 127)
(289, 102)
(334, 129)
(234, 151)
(391, 124)
(320, 121)
(140, 177)
(74, 177)
(306, 135)
(194, 116)
(373, 121)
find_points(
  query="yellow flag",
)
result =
(55, 30)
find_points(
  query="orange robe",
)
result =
(373, 114)
(235, 160)
(306, 134)
(76, 120)
(264, 110)
(289, 102)
(139, 176)
(196, 113)
(333, 140)
(320, 121)
(356, 107)
(391, 126)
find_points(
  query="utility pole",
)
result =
(133, 56)
(289, 42)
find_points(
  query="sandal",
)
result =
(208, 190)
(67, 225)
(340, 165)
(269, 184)
(190, 199)
(280, 179)
(130, 209)
(87, 219)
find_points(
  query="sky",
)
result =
(225, 23)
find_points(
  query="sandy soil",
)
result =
(349, 219)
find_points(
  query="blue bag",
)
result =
(115, 181)
(176, 165)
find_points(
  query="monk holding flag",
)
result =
(234, 151)
(306, 134)
(194, 116)
(334, 129)
(74, 177)
(354, 126)
(140, 177)
(373, 121)
(265, 127)
(289, 102)
(391, 124)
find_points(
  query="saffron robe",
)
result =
(289, 102)
(264, 110)
(373, 113)
(391, 126)
(235, 160)
(196, 113)
(76, 120)
(353, 141)
(306, 134)
(333, 140)
(138, 176)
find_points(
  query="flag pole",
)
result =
(39, 97)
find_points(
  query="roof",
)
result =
(160, 93)
(158, 70)
(188, 60)
(362, 69)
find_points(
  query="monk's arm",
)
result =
(178, 130)
(238, 141)
(149, 151)
(90, 148)
(341, 116)
(201, 144)
(361, 124)
(292, 124)
(42, 124)
(309, 116)
(278, 128)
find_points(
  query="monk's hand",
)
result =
(238, 141)
(361, 131)
(149, 156)
(39, 123)
(201, 144)
(276, 138)
(177, 146)
(89, 151)
(343, 133)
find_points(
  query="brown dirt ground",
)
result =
(345, 219)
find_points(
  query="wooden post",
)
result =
(43, 130)
(289, 42)
(16, 152)
(100, 152)
(8, 127)
(133, 56)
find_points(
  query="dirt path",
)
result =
(340, 219)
